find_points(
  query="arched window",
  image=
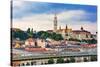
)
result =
(27, 64)
(32, 63)
(36, 44)
(86, 36)
(85, 59)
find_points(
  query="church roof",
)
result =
(49, 30)
(79, 31)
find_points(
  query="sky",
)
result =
(40, 15)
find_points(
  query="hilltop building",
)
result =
(68, 33)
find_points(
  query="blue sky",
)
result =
(29, 8)
(25, 10)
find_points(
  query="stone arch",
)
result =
(27, 64)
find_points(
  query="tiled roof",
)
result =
(78, 31)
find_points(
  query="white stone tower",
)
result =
(55, 23)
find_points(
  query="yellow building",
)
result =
(81, 34)
(68, 33)
(17, 45)
(65, 32)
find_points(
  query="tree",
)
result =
(60, 60)
(72, 39)
(50, 61)
(27, 64)
(20, 34)
(58, 37)
(93, 58)
(44, 35)
(93, 41)
(31, 32)
(28, 30)
(72, 59)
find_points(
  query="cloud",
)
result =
(73, 18)
(37, 22)
(26, 8)
(75, 15)
(18, 3)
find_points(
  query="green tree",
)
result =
(20, 34)
(93, 58)
(59, 37)
(28, 30)
(27, 64)
(50, 61)
(44, 35)
(93, 41)
(31, 32)
(60, 60)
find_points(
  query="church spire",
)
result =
(66, 27)
(55, 23)
(82, 28)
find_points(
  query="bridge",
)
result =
(42, 58)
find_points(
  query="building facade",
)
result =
(68, 33)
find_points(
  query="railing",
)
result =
(54, 55)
